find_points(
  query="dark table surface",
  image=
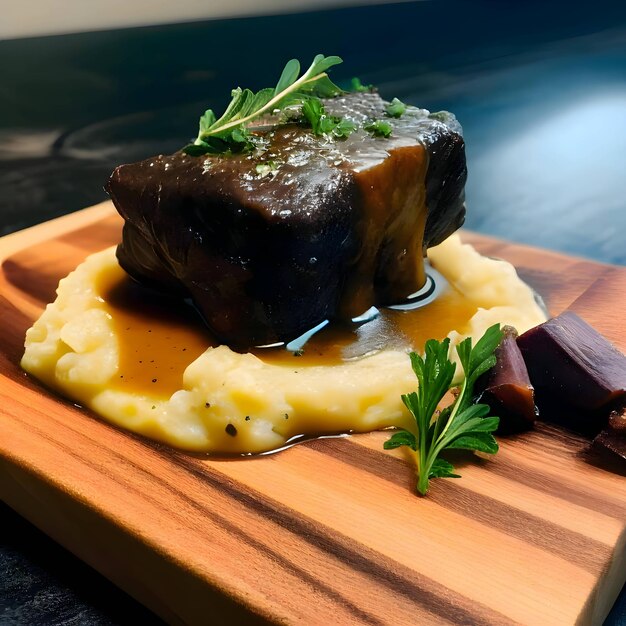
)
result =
(540, 88)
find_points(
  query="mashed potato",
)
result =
(237, 403)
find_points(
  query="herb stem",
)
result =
(422, 477)
(268, 107)
(455, 409)
(422, 467)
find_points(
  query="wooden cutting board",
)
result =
(326, 532)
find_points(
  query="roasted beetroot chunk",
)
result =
(577, 373)
(613, 438)
(506, 387)
(269, 244)
(611, 442)
(574, 363)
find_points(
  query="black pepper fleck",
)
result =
(231, 430)
(154, 380)
(247, 418)
(286, 416)
(207, 404)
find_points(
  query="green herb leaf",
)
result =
(476, 361)
(240, 135)
(401, 438)
(229, 134)
(379, 128)
(323, 124)
(358, 86)
(442, 469)
(344, 128)
(462, 425)
(483, 442)
(266, 168)
(197, 149)
(207, 120)
(322, 64)
(288, 77)
(313, 110)
(395, 108)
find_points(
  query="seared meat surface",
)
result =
(306, 228)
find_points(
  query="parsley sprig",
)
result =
(462, 425)
(229, 133)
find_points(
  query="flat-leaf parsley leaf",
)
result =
(462, 425)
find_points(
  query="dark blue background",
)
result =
(540, 88)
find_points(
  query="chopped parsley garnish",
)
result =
(395, 108)
(323, 124)
(359, 87)
(266, 168)
(378, 128)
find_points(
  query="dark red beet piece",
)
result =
(611, 442)
(572, 363)
(613, 438)
(506, 387)
(617, 420)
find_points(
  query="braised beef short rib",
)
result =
(306, 228)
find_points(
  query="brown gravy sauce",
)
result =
(160, 336)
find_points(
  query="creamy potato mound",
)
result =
(236, 403)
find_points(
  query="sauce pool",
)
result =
(160, 336)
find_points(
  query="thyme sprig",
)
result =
(229, 133)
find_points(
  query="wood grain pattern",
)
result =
(329, 531)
